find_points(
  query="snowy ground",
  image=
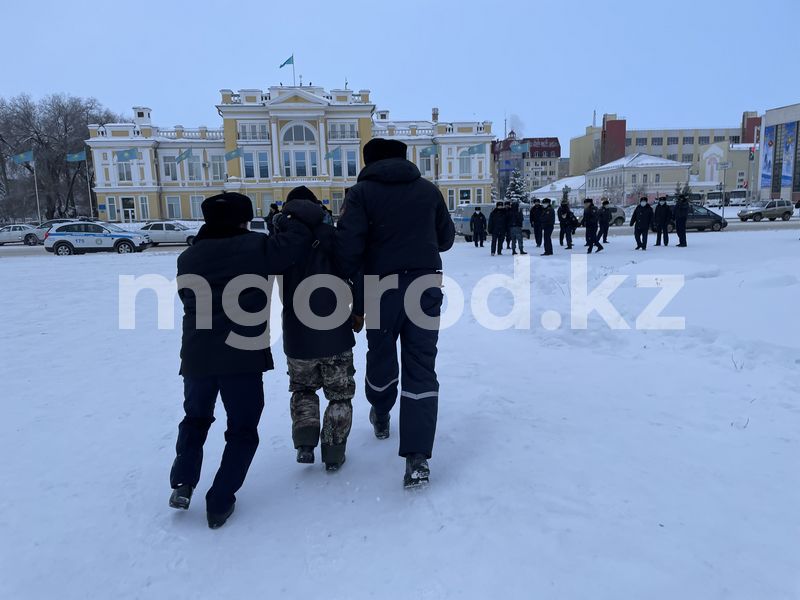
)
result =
(569, 464)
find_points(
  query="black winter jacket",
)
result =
(535, 215)
(217, 259)
(566, 217)
(498, 221)
(642, 217)
(477, 223)
(589, 219)
(515, 217)
(394, 221)
(662, 214)
(604, 216)
(548, 217)
(681, 210)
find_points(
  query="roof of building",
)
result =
(575, 183)
(538, 143)
(639, 160)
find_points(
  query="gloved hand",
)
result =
(357, 322)
(307, 212)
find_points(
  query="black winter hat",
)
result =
(643, 198)
(301, 192)
(379, 148)
(536, 201)
(605, 202)
(546, 200)
(227, 209)
(588, 201)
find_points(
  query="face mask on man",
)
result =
(642, 203)
(662, 202)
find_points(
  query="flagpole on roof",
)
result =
(294, 81)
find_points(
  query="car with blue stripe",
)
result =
(80, 237)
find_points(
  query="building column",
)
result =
(277, 167)
(323, 144)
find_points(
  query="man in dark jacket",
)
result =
(661, 217)
(395, 226)
(548, 224)
(273, 210)
(681, 213)
(641, 220)
(515, 220)
(222, 351)
(319, 357)
(535, 217)
(604, 221)
(589, 220)
(498, 225)
(566, 220)
(477, 227)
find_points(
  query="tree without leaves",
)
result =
(52, 127)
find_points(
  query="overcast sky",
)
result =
(545, 65)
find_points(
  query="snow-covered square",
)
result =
(569, 464)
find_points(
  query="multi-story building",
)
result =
(702, 149)
(625, 180)
(537, 159)
(779, 164)
(270, 142)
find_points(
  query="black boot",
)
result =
(305, 455)
(331, 467)
(379, 425)
(514, 252)
(181, 497)
(215, 521)
(522, 252)
(417, 471)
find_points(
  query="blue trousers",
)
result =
(243, 397)
(419, 398)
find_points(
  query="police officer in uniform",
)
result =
(566, 220)
(535, 217)
(681, 213)
(477, 227)
(641, 220)
(662, 218)
(590, 221)
(548, 224)
(498, 227)
(394, 228)
(604, 219)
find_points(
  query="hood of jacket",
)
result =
(390, 170)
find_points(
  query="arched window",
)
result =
(298, 134)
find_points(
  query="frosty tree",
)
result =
(515, 192)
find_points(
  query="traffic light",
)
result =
(752, 153)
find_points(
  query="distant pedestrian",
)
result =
(548, 224)
(662, 217)
(273, 210)
(515, 220)
(498, 227)
(536, 221)
(681, 215)
(604, 221)
(507, 204)
(477, 227)
(641, 220)
(566, 223)
(590, 222)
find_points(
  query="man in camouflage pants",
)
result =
(334, 375)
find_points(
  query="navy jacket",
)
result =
(536, 214)
(681, 210)
(565, 216)
(662, 214)
(218, 259)
(589, 219)
(604, 216)
(394, 221)
(515, 217)
(477, 223)
(548, 217)
(498, 221)
(642, 217)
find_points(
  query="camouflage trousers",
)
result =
(334, 374)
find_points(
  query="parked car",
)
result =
(79, 237)
(259, 224)
(18, 234)
(41, 230)
(699, 219)
(617, 215)
(773, 209)
(170, 232)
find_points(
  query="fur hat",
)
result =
(228, 209)
(379, 149)
(301, 192)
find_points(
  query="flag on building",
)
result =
(335, 153)
(233, 154)
(288, 61)
(126, 155)
(23, 157)
(77, 156)
(184, 155)
(520, 148)
(477, 149)
(429, 151)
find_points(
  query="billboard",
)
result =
(789, 145)
(767, 156)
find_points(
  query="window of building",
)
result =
(658, 141)
(337, 164)
(300, 164)
(719, 138)
(644, 178)
(464, 163)
(217, 167)
(688, 139)
(249, 165)
(195, 168)
(337, 198)
(703, 140)
(111, 208)
(641, 141)
(633, 178)
(263, 164)
(196, 202)
(687, 158)
(124, 172)
(464, 195)
(672, 157)
(144, 208)
(734, 139)
(451, 199)
(312, 161)
(672, 141)
(658, 177)
(479, 195)
(627, 142)
(299, 133)
(173, 207)
(425, 165)
(342, 131)
(287, 164)
(352, 170)
(253, 131)
(170, 168)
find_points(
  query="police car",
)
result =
(78, 237)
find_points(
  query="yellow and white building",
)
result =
(282, 137)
